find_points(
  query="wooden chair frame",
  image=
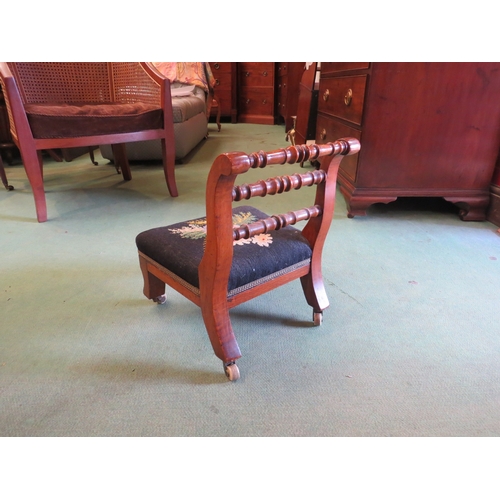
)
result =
(212, 296)
(148, 84)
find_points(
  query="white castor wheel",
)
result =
(161, 299)
(232, 372)
(317, 318)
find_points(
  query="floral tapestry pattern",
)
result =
(192, 73)
(197, 229)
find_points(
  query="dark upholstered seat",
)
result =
(179, 248)
(236, 253)
(51, 121)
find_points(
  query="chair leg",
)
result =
(218, 325)
(54, 155)
(92, 158)
(3, 176)
(33, 165)
(315, 293)
(120, 156)
(217, 118)
(154, 288)
(168, 154)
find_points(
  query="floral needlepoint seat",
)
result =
(235, 253)
(180, 247)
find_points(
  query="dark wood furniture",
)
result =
(3, 177)
(288, 76)
(256, 92)
(426, 129)
(493, 214)
(307, 106)
(62, 105)
(236, 253)
(225, 89)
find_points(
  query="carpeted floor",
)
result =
(410, 345)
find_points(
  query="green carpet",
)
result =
(410, 345)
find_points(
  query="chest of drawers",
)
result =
(426, 130)
(256, 92)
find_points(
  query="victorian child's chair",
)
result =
(234, 254)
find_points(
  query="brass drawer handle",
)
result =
(217, 82)
(326, 95)
(322, 135)
(247, 73)
(264, 73)
(247, 101)
(348, 98)
(264, 101)
(216, 66)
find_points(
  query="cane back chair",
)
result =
(237, 253)
(63, 105)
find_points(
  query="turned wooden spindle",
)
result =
(279, 184)
(275, 222)
(301, 153)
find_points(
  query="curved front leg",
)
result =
(218, 324)
(314, 291)
(33, 165)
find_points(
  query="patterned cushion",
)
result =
(179, 248)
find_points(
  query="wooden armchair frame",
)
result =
(212, 295)
(85, 84)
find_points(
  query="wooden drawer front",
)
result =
(343, 97)
(282, 69)
(218, 68)
(282, 96)
(282, 89)
(329, 130)
(256, 102)
(222, 85)
(256, 75)
(333, 67)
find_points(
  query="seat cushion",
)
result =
(179, 248)
(51, 121)
(185, 107)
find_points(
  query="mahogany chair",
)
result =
(234, 254)
(64, 105)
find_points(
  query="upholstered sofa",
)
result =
(189, 106)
